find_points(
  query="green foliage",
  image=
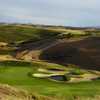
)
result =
(67, 78)
(77, 72)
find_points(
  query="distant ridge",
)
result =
(47, 25)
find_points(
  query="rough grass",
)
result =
(15, 33)
(19, 33)
(10, 93)
(17, 74)
(6, 52)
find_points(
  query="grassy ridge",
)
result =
(15, 33)
(19, 33)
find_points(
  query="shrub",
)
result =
(76, 72)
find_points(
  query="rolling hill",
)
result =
(21, 33)
(49, 62)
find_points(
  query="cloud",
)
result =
(58, 12)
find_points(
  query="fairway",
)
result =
(17, 74)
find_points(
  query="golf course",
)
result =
(48, 64)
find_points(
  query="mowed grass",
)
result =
(17, 74)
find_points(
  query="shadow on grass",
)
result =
(15, 63)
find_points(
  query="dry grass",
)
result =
(10, 93)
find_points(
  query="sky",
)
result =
(51, 12)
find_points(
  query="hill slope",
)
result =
(19, 33)
(84, 53)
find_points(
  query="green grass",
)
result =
(17, 74)
(6, 52)
(14, 33)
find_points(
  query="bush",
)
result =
(76, 72)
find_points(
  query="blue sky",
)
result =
(55, 12)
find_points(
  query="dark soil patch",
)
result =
(84, 53)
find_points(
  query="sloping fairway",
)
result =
(17, 73)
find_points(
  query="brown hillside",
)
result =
(84, 53)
